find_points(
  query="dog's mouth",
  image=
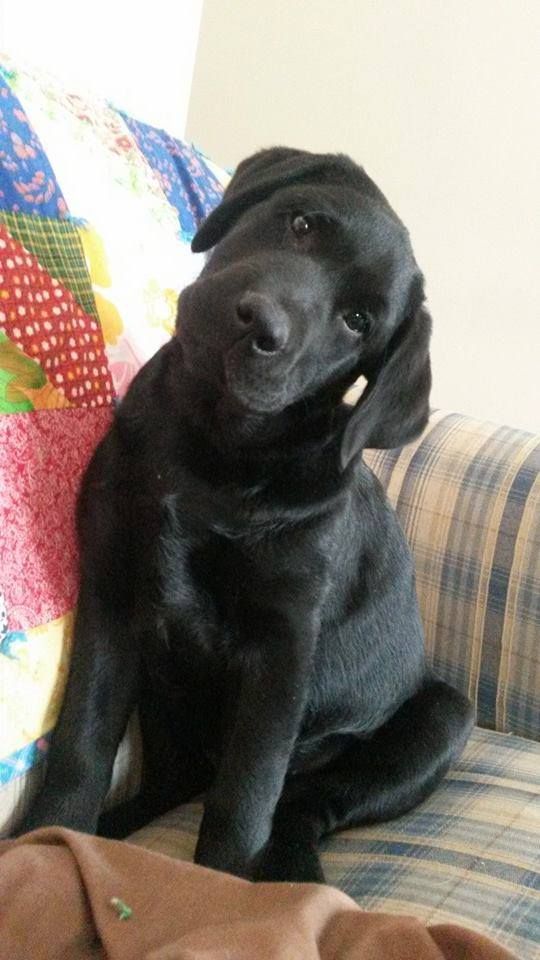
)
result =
(259, 382)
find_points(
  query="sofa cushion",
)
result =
(470, 854)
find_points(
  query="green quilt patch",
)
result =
(57, 245)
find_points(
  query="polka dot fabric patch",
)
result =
(46, 322)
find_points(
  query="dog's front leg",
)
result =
(100, 694)
(241, 803)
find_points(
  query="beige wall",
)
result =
(439, 100)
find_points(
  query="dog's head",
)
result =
(311, 282)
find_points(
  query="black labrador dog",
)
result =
(243, 579)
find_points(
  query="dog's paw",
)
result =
(292, 862)
(56, 812)
(224, 855)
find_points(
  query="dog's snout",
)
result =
(266, 321)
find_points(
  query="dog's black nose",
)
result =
(266, 321)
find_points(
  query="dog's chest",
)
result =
(197, 589)
(219, 578)
(219, 587)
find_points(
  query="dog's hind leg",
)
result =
(372, 780)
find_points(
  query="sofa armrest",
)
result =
(467, 494)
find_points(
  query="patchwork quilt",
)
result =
(97, 211)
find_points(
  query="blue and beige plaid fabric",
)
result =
(467, 494)
(469, 854)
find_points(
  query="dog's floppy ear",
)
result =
(260, 175)
(394, 407)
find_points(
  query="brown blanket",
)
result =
(66, 896)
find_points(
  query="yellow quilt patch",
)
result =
(32, 681)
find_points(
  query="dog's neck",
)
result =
(239, 432)
(171, 417)
(228, 441)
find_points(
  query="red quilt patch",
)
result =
(45, 320)
(42, 457)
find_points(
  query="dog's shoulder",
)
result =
(147, 394)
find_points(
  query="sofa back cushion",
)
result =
(468, 497)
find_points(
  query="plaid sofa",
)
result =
(79, 181)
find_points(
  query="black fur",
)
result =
(244, 580)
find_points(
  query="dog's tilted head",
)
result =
(311, 282)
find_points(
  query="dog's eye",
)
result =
(302, 224)
(359, 321)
